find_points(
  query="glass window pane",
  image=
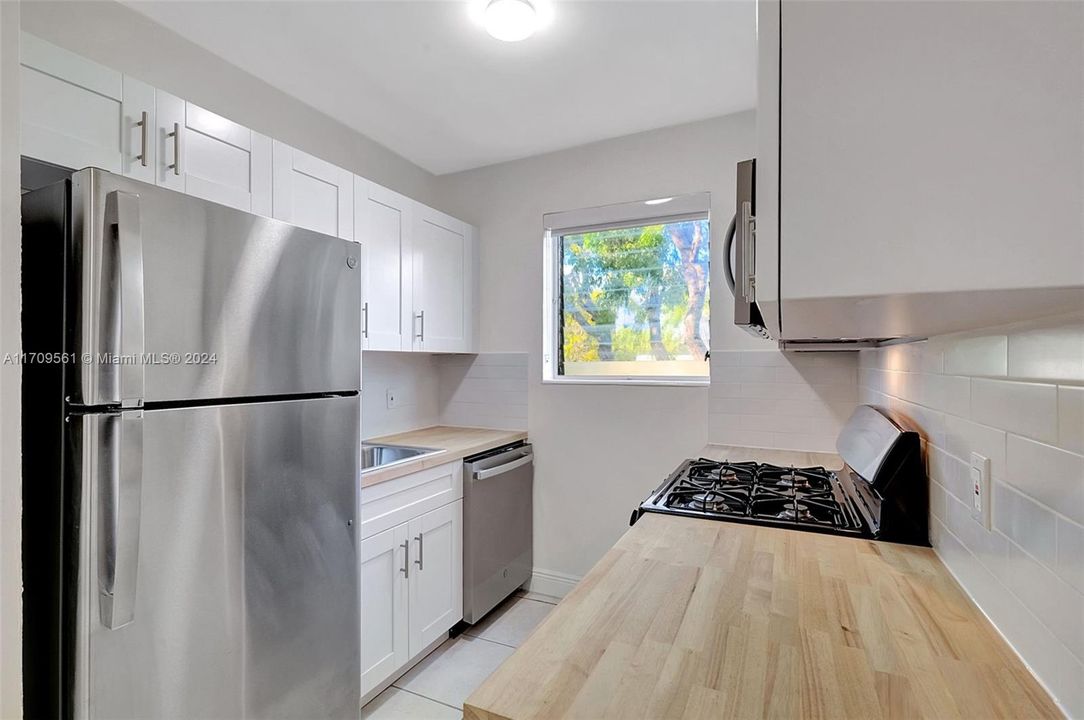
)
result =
(635, 301)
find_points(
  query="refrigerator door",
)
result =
(217, 563)
(179, 299)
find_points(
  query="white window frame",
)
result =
(634, 214)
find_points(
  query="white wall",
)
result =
(1016, 396)
(121, 38)
(10, 303)
(599, 449)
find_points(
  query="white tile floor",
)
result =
(435, 688)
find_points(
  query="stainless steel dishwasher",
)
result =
(497, 526)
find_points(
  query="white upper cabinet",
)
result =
(312, 193)
(383, 225)
(206, 155)
(443, 271)
(71, 108)
(925, 151)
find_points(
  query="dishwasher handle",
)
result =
(507, 467)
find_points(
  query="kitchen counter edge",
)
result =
(455, 443)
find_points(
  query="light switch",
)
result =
(393, 399)
(980, 490)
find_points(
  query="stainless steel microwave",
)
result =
(740, 253)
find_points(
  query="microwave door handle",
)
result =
(748, 251)
(728, 260)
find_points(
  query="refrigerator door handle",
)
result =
(122, 213)
(119, 470)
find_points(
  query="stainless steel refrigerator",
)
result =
(190, 439)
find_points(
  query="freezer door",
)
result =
(177, 298)
(218, 568)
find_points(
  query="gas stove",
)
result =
(889, 502)
(810, 497)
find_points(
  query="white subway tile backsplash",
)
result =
(488, 390)
(1052, 600)
(767, 398)
(1049, 353)
(1029, 409)
(1053, 477)
(963, 437)
(950, 472)
(1071, 418)
(1070, 553)
(1026, 523)
(949, 393)
(1015, 396)
(990, 548)
(985, 356)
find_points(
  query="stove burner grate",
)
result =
(770, 493)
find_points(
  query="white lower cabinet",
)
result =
(436, 575)
(411, 568)
(383, 606)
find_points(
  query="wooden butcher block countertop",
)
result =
(693, 618)
(455, 442)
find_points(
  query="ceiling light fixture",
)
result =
(658, 201)
(511, 20)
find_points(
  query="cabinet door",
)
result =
(920, 154)
(384, 606)
(383, 226)
(436, 574)
(71, 108)
(443, 281)
(206, 155)
(311, 193)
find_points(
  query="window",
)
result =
(629, 296)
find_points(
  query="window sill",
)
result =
(647, 381)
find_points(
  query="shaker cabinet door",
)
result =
(436, 574)
(206, 155)
(443, 282)
(71, 108)
(383, 225)
(311, 193)
(383, 606)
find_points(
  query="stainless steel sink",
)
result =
(374, 455)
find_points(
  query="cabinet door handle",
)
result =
(421, 326)
(176, 135)
(142, 125)
(420, 537)
(365, 317)
(406, 559)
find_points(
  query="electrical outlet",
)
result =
(980, 490)
(393, 399)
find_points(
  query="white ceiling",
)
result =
(424, 80)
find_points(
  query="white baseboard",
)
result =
(553, 584)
